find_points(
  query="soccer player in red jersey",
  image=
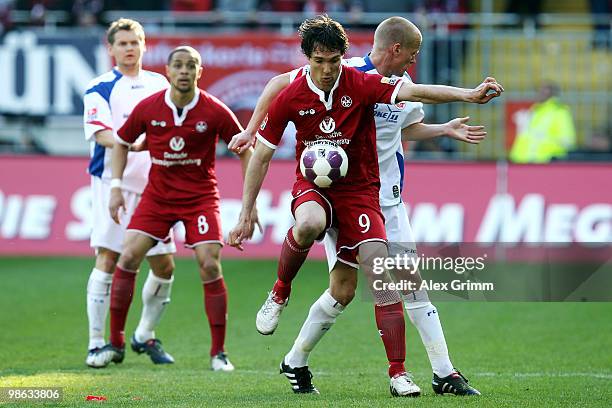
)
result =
(334, 102)
(182, 124)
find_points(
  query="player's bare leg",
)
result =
(215, 302)
(310, 222)
(322, 315)
(155, 296)
(98, 300)
(389, 319)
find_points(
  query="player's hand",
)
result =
(139, 147)
(115, 203)
(241, 142)
(458, 129)
(487, 90)
(242, 231)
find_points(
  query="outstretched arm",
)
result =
(246, 138)
(457, 129)
(483, 93)
(255, 174)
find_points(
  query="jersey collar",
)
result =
(178, 120)
(328, 103)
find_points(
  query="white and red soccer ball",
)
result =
(323, 162)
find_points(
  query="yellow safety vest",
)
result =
(550, 134)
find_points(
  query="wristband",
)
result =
(115, 183)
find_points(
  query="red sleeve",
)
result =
(228, 124)
(274, 124)
(133, 127)
(380, 89)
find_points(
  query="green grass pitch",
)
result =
(516, 354)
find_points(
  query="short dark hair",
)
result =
(324, 33)
(185, 48)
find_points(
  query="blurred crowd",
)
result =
(88, 12)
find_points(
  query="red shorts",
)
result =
(356, 215)
(202, 220)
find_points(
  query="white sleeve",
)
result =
(96, 114)
(414, 114)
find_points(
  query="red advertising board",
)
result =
(45, 204)
(237, 66)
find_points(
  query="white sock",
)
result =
(155, 296)
(98, 300)
(424, 317)
(321, 317)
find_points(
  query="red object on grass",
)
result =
(95, 398)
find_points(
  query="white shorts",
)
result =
(399, 234)
(105, 232)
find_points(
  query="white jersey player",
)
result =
(108, 101)
(396, 45)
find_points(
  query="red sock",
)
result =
(122, 290)
(292, 258)
(392, 329)
(215, 304)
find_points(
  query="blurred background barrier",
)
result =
(50, 51)
(45, 205)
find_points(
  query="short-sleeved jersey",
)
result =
(344, 118)
(182, 147)
(108, 101)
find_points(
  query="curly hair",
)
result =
(323, 33)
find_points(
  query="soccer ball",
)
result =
(323, 162)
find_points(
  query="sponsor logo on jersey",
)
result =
(138, 86)
(386, 112)
(201, 127)
(346, 101)
(390, 81)
(396, 191)
(161, 123)
(177, 143)
(303, 112)
(264, 123)
(92, 114)
(327, 125)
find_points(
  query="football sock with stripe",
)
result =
(155, 296)
(98, 299)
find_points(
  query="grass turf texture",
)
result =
(516, 354)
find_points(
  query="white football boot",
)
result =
(269, 315)
(220, 362)
(401, 385)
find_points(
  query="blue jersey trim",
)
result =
(400, 163)
(105, 88)
(368, 65)
(96, 164)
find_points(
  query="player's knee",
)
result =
(106, 261)
(210, 269)
(306, 231)
(343, 290)
(130, 258)
(164, 270)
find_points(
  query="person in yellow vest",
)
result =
(550, 132)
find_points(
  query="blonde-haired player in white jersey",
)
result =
(396, 44)
(108, 101)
